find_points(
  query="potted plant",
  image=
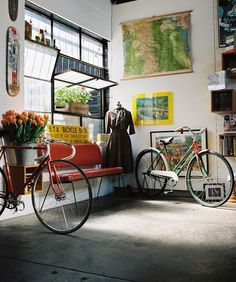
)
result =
(62, 97)
(76, 97)
(23, 129)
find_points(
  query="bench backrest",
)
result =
(86, 154)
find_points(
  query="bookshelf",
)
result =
(223, 101)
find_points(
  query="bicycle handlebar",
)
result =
(181, 130)
(47, 141)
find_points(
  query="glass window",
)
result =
(66, 119)
(92, 50)
(38, 22)
(95, 126)
(95, 104)
(37, 95)
(88, 57)
(67, 40)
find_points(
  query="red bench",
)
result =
(89, 158)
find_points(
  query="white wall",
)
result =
(8, 102)
(191, 96)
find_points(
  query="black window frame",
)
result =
(103, 71)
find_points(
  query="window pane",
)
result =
(95, 104)
(92, 51)
(38, 22)
(67, 40)
(95, 126)
(37, 95)
(64, 63)
(66, 120)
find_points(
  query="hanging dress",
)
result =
(119, 149)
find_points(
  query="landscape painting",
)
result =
(152, 109)
(157, 46)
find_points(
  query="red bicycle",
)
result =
(61, 193)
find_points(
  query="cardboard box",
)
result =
(219, 80)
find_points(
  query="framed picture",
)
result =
(227, 22)
(180, 144)
(158, 45)
(153, 109)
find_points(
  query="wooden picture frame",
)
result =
(159, 45)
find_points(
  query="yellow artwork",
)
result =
(153, 109)
(69, 133)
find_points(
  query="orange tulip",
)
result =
(19, 122)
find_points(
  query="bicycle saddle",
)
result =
(166, 141)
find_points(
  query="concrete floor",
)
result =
(126, 239)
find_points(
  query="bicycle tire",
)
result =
(147, 160)
(68, 211)
(210, 178)
(4, 190)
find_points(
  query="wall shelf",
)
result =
(223, 101)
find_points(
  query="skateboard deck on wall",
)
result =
(13, 9)
(13, 61)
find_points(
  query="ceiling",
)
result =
(116, 2)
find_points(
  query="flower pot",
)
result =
(79, 108)
(25, 156)
(62, 107)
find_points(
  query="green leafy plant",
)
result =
(25, 127)
(66, 95)
(62, 96)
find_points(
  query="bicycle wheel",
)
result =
(147, 160)
(62, 205)
(4, 191)
(210, 179)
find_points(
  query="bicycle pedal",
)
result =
(60, 197)
(23, 206)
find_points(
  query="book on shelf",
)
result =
(228, 145)
(230, 123)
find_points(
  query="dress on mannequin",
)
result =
(119, 149)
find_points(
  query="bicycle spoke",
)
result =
(64, 205)
(210, 179)
(146, 161)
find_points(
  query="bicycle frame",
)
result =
(192, 151)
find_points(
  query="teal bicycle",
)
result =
(209, 176)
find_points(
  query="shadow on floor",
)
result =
(126, 239)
